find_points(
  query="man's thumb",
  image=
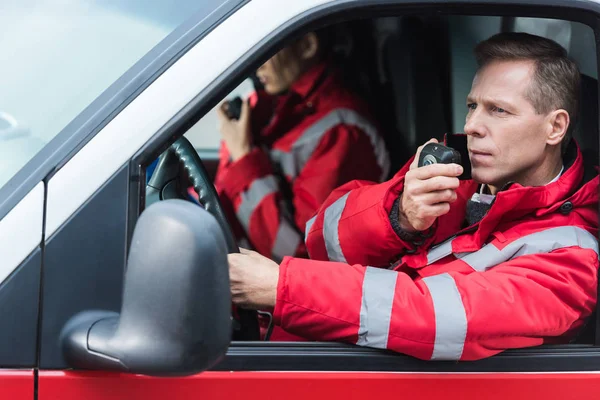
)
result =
(415, 162)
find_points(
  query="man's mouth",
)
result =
(479, 152)
(479, 157)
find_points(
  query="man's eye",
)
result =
(498, 109)
(471, 106)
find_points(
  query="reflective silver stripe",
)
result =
(287, 161)
(286, 241)
(440, 251)
(450, 317)
(309, 225)
(331, 223)
(251, 198)
(536, 243)
(294, 161)
(379, 286)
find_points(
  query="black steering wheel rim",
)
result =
(207, 195)
(162, 186)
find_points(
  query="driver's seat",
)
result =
(586, 135)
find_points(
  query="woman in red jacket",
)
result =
(293, 143)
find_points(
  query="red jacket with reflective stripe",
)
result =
(525, 275)
(312, 140)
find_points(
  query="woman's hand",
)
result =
(235, 134)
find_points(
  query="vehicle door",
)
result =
(59, 64)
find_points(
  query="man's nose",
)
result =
(474, 125)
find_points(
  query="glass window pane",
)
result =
(57, 56)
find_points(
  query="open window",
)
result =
(415, 66)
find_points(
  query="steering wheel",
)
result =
(164, 185)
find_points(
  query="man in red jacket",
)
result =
(447, 269)
(294, 142)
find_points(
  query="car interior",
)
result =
(415, 71)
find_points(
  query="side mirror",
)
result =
(176, 312)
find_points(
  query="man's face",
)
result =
(506, 137)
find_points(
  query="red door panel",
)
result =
(16, 384)
(316, 386)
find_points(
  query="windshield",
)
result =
(57, 56)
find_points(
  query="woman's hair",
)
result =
(325, 44)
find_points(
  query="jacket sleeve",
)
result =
(257, 193)
(353, 224)
(451, 316)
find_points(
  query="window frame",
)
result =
(311, 356)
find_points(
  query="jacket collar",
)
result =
(515, 201)
(306, 83)
(300, 100)
(545, 196)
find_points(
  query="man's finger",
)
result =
(245, 251)
(437, 210)
(435, 184)
(231, 258)
(438, 197)
(433, 170)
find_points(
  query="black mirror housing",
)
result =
(176, 312)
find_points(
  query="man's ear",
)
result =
(309, 46)
(559, 121)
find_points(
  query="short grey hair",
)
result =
(557, 80)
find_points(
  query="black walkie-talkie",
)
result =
(436, 153)
(234, 108)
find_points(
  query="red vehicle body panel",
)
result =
(69, 385)
(16, 384)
